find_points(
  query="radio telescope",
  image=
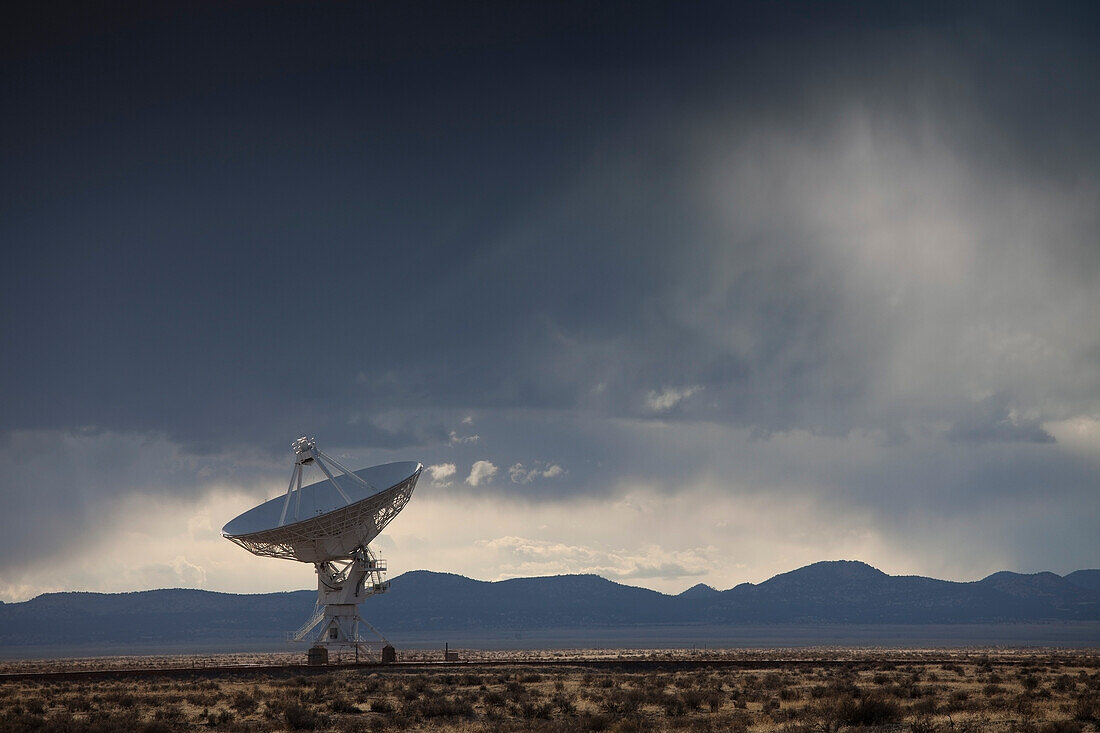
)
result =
(330, 523)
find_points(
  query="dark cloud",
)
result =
(233, 221)
(66, 488)
(229, 225)
(993, 420)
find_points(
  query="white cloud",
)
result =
(521, 475)
(552, 471)
(669, 397)
(521, 556)
(441, 472)
(187, 573)
(457, 439)
(481, 472)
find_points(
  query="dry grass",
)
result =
(914, 691)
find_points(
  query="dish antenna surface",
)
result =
(330, 523)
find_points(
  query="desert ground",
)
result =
(796, 691)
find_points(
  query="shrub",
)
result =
(244, 703)
(632, 725)
(516, 692)
(619, 703)
(124, 720)
(925, 706)
(217, 720)
(541, 711)
(492, 699)
(673, 705)
(438, 707)
(1064, 683)
(1023, 706)
(957, 700)
(788, 694)
(870, 710)
(590, 722)
(693, 698)
(734, 723)
(299, 717)
(341, 704)
(564, 703)
(22, 721)
(922, 725)
(201, 699)
(1062, 726)
(62, 721)
(1087, 708)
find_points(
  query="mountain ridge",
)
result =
(424, 601)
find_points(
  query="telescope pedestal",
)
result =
(341, 587)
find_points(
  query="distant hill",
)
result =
(854, 592)
(700, 590)
(1085, 578)
(841, 592)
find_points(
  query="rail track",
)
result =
(599, 664)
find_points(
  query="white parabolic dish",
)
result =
(321, 525)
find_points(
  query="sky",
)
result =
(674, 293)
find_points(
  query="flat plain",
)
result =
(793, 690)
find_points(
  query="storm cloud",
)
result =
(842, 255)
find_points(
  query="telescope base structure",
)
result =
(336, 623)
